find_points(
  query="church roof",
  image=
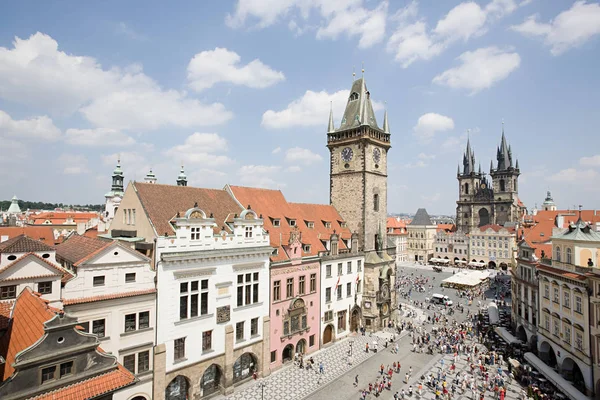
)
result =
(359, 109)
(504, 154)
(14, 206)
(421, 218)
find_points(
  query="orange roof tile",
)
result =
(66, 274)
(76, 248)
(23, 243)
(273, 205)
(59, 218)
(93, 387)
(446, 227)
(91, 233)
(561, 272)
(81, 300)
(495, 228)
(25, 328)
(41, 233)
(162, 202)
(5, 309)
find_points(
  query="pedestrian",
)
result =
(321, 367)
(381, 368)
(356, 380)
(367, 348)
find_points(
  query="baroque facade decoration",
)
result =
(358, 190)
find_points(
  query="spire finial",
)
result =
(502, 126)
(353, 74)
(363, 69)
(330, 127)
(119, 159)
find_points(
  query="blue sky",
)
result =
(239, 92)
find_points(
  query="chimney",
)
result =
(354, 243)
(334, 238)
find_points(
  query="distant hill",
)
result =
(38, 205)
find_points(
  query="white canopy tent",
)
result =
(493, 313)
(565, 386)
(466, 279)
(506, 335)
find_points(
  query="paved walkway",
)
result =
(293, 383)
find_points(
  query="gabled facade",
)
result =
(397, 232)
(493, 245)
(213, 303)
(421, 236)
(452, 246)
(46, 357)
(113, 296)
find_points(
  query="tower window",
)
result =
(375, 202)
(466, 188)
(354, 96)
(502, 185)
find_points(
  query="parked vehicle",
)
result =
(437, 298)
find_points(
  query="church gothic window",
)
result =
(375, 202)
(466, 188)
(502, 185)
(354, 96)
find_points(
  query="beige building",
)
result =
(493, 245)
(421, 236)
(568, 306)
(452, 246)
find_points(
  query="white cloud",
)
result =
(200, 148)
(34, 72)
(73, 164)
(97, 137)
(572, 175)
(206, 177)
(260, 176)
(300, 155)
(480, 69)
(293, 168)
(417, 164)
(276, 150)
(312, 109)
(593, 161)
(570, 28)
(337, 17)
(221, 65)
(39, 128)
(412, 40)
(423, 156)
(431, 123)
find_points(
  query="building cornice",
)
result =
(172, 258)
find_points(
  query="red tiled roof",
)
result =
(520, 203)
(91, 388)
(41, 233)
(162, 202)
(81, 300)
(23, 244)
(91, 233)
(59, 218)
(558, 271)
(396, 222)
(77, 247)
(273, 205)
(446, 227)
(5, 309)
(495, 228)
(66, 275)
(26, 327)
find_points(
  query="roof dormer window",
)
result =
(353, 96)
(276, 222)
(327, 224)
(292, 222)
(310, 224)
(306, 248)
(275, 252)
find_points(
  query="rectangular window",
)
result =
(348, 289)
(292, 222)
(578, 307)
(289, 290)
(48, 373)
(45, 287)
(276, 223)
(254, 327)
(133, 216)
(248, 232)
(66, 368)
(99, 280)
(328, 271)
(375, 202)
(578, 340)
(203, 303)
(313, 283)
(547, 292)
(339, 292)
(556, 328)
(328, 295)
(239, 331)
(143, 361)
(206, 340)
(240, 295)
(328, 316)
(144, 320)
(359, 265)
(8, 292)
(129, 362)
(276, 290)
(130, 322)
(340, 269)
(306, 248)
(179, 349)
(274, 356)
(567, 337)
(566, 300)
(99, 328)
(311, 340)
(556, 296)
(349, 269)
(301, 285)
(358, 286)
(183, 307)
(195, 233)
(130, 277)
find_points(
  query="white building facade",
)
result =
(342, 278)
(113, 296)
(213, 305)
(452, 246)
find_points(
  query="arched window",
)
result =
(375, 202)
(569, 258)
(557, 253)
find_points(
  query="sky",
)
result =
(239, 92)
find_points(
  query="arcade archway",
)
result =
(211, 380)
(178, 389)
(547, 354)
(328, 334)
(571, 371)
(244, 366)
(288, 353)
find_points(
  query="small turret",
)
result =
(150, 177)
(386, 126)
(182, 178)
(331, 127)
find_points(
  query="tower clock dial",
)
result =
(347, 154)
(376, 155)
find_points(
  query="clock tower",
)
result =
(358, 191)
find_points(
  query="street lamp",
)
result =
(262, 385)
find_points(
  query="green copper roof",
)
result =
(359, 109)
(579, 231)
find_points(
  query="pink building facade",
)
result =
(295, 305)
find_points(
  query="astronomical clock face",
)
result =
(376, 155)
(347, 154)
(385, 289)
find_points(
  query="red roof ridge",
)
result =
(112, 296)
